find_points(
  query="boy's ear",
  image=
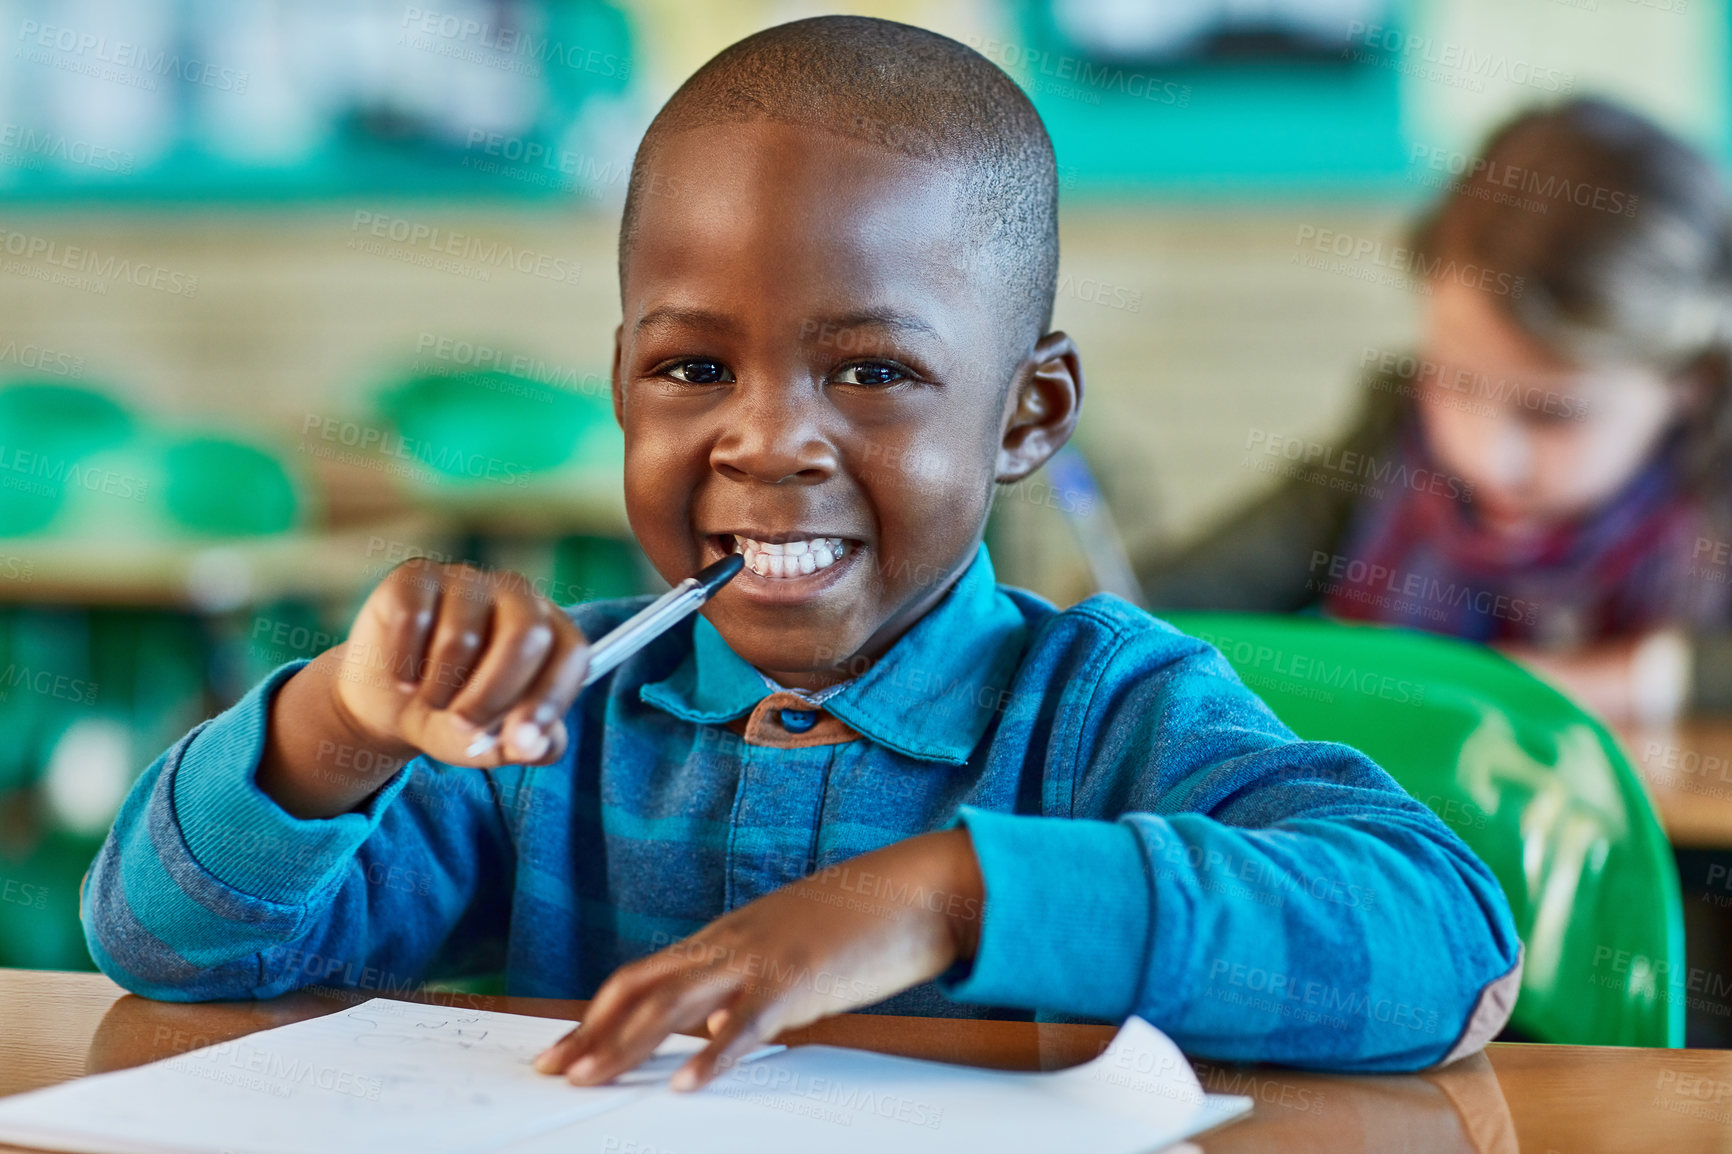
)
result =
(1046, 401)
(616, 390)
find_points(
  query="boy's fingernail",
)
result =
(529, 739)
(584, 1068)
(544, 1062)
(684, 1079)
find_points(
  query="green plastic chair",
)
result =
(1536, 787)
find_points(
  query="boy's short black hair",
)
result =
(912, 91)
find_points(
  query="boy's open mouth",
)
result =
(777, 557)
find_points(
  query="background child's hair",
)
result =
(1616, 233)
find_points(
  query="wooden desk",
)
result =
(1569, 1099)
(1687, 768)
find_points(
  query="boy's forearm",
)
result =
(951, 876)
(317, 761)
(1368, 944)
(935, 872)
(252, 901)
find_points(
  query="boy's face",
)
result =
(806, 354)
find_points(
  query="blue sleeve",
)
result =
(1258, 897)
(206, 888)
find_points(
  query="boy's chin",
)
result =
(820, 652)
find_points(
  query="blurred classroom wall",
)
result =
(1196, 323)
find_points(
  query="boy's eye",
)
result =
(698, 372)
(873, 374)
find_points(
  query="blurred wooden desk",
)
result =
(1687, 768)
(1579, 1099)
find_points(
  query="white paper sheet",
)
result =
(1140, 1095)
(383, 1075)
(390, 1076)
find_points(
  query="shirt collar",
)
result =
(932, 696)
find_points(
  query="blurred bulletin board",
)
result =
(521, 99)
(262, 99)
(1379, 98)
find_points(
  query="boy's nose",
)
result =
(773, 436)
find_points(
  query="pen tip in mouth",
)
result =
(712, 577)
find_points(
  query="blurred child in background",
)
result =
(1549, 472)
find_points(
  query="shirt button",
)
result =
(799, 720)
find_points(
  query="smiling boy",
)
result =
(866, 775)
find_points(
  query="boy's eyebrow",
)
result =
(674, 314)
(815, 327)
(871, 319)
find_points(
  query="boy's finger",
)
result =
(403, 621)
(619, 992)
(740, 1031)
(521, 637)
(624, 1044)
(458, 640)
(557, 1057)
(533, 731)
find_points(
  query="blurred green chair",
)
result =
(1536, 787)
(491, 429)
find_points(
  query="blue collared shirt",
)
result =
(1151, 840)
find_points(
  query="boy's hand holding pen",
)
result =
(469, 667)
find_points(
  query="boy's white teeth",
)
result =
(790, 558)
